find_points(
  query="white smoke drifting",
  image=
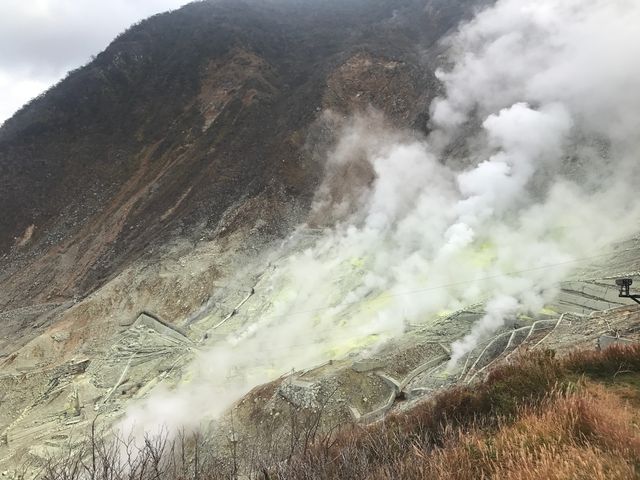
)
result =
(544, 96)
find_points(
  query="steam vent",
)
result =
(319, 239)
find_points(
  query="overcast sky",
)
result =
(40, 40)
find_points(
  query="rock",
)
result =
(606, 341)
(61, 336)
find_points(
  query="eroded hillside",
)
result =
(242, 211)
(188, 128)
(151, 178)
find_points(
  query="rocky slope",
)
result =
(190, 127)
(148, 178)
(154, 200)
(187, 115)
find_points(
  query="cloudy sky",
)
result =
(40, 40)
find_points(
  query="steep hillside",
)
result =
(153, 177)
(185, 117)
(539, 417)
(266, 218)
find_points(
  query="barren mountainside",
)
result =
(148, 179)
(187, 117)
(278, 222)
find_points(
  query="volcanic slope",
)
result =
(152, 236)
(190, 127)
(149, 179)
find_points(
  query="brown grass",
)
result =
(539, 417)
(586, 435)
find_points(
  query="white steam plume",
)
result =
(544, 95)
(572, 59)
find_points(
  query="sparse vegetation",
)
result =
(538, 417)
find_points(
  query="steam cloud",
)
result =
(521, 170)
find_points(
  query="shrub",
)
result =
(606, 363)
(524, 421)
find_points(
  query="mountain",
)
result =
(273, 218)
(194, 142)
(191, 115)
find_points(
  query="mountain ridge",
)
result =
(97, 149)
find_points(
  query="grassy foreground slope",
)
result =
(539, 417)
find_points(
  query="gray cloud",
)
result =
(41, 40)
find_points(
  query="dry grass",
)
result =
(605, 364)
(539, 417)
(587, 435)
